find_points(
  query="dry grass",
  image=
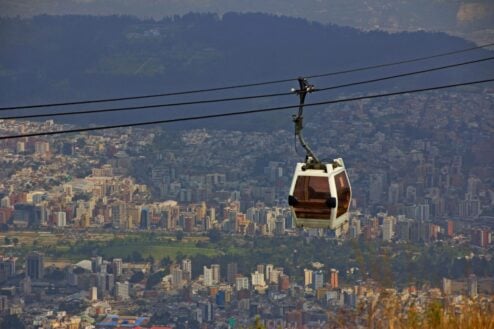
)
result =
(389, 312)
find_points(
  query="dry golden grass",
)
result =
(388, 312)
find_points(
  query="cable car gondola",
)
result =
(320, 193)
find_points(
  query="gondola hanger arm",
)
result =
(298, 120)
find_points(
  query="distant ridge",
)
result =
(58, 58)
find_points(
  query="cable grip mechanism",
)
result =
(305, 88)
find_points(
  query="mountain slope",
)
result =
(59, 58)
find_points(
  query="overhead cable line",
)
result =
(404, 74)
(406, 61)
(218, 100)
(144, 107)
(195, 91)
(228, 114)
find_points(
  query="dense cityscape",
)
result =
(161, 228)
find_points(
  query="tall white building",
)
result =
(122, 290)
(307, 277)
(216, 273)
(241, 283)
(269, 268)
(274, 275)
(208, 276)
(93, 294)
(61, 217)
(388, 228)
(187, 269)
(258, 279)
(176, 277)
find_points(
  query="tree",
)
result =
(214, 235)
(180, 256)
(160, 318)
(136, 277)
(7, 240)
(154, 279)
(166, 261)
(136, 256)
(179, 235)
(15, 241)
(72, 306)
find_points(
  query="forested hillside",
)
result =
(58, 58)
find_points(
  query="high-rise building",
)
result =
(284, 282)
(318, 279)
(26, 285)
(101, 284)
(212, 215)
(93, 294)
(109, 281)
(216, 273)
(104, 267)
(481, 237)
(122, 290)
(334, 278)
(260, 268)
(241, 283)
(269, 268)
(41, 147)
(7, 267)
(279, 225)
(119, 215)
(388, 228)
(403, 229)
(35, 265)
(61, 218)
(470, 207)
(145, 219)
(208, 276)
(231, 272)
(96, 263)
(451, 228)
(417, 231)
(177, 278)
(419, 212)
(258, 279)
(473, 186)
(117, 264)
(187, 269)
(274, 275)
(207, 311)
(376, 186)
(308, 274)
(393, 193)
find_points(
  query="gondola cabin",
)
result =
(320, 195)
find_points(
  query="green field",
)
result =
(75, 246)
(157, 250)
